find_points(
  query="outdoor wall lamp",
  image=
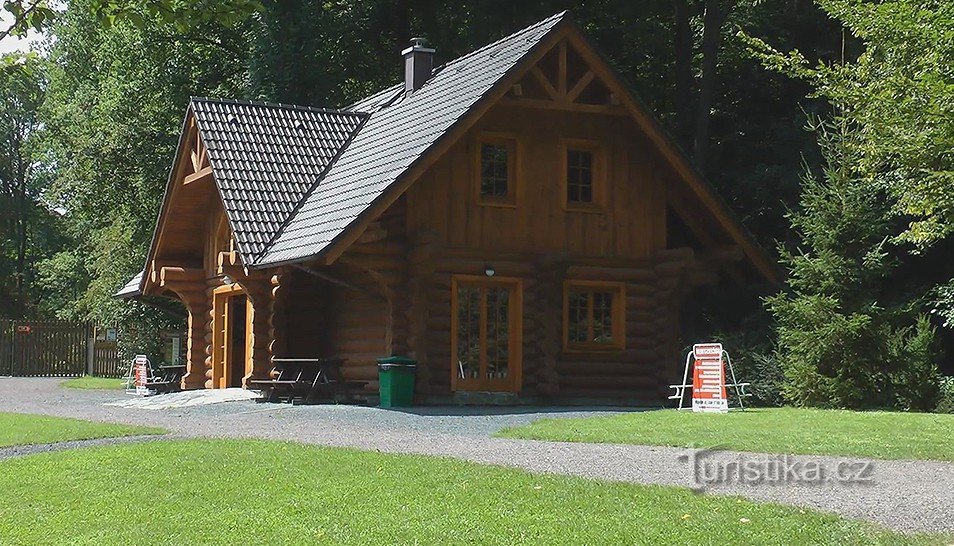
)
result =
(489, 270)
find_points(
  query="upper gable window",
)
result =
(579, 176)
(496, 170)
(582, 175)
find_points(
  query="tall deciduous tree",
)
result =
(21, 180)
(898, 97)
(112, 117)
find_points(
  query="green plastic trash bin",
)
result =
(396, 381)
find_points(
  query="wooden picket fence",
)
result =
(44, 348)
(107, 361)
(56, 349)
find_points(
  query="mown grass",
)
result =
(260, 492)
(93, 383)
(880, 435)
(21, 429)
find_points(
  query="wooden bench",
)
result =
(307, 380)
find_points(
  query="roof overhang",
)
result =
(132, 288)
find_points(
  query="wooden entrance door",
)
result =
(486, 333)
(231, 335)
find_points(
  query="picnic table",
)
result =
(166, 378)
(307, 380)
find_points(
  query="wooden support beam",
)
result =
(169, 274)
(332, 279)
(199, 176)
(545, 82)
(227, 260)
(561, 77)
(375, 232)
(580, 86)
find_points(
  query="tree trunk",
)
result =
(21, 234)
(683, 90)
(711, 36)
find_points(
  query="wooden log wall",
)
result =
(630, 221)
(356, 309)
(258, 288)
(639, 373)
(355, 325)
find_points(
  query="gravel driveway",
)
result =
(904, 495)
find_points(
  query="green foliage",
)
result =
(946, 399)
(897, 96)
(29, 229)
(943, 304)
(917, 381)
(841, 344)
(113, 113)
(184, 15)
(27, 15)
(764, 372)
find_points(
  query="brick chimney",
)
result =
(418, 63)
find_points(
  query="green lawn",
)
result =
(22, 429)
(881, 435)
(90, 382)
(259, 492)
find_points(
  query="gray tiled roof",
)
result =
(131, 288)
(266, 158)
(400, 130)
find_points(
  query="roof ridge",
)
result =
(396, 86)
(510, 36)
(280, 105)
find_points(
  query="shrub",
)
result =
(840, 342)
(917, 379)
(946, 395)
(765, 375)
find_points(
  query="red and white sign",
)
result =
(24, 329)
(141, 373)
(708, 379)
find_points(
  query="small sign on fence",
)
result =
(24, 329)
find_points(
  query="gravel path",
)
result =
(904, 495)
(18, 451)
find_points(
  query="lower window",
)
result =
(594, 316)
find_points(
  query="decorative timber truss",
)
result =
(564, 80)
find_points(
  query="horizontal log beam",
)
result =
(607, 109)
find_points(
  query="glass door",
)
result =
(486, 334)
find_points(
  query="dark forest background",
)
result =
(827, 127)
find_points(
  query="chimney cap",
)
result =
(418, 45)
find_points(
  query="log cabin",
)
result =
(515, 220)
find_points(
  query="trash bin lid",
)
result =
(403, 367)
(398, 360)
